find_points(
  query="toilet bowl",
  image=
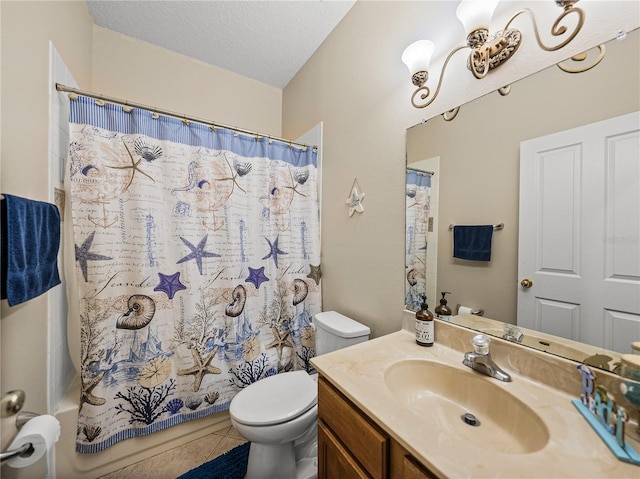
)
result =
(278, 414)
(272, 415)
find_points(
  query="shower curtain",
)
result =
(418, 203)
(197, 255)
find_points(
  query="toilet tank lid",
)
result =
(340, 325)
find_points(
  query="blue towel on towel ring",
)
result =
(30, 244)
(472, 242)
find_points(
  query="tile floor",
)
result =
(173, 463)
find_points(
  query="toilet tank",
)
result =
(335, 331)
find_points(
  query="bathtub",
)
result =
(72, 465)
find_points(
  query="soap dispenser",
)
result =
(443, 311)
(424, 325)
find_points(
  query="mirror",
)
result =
(477, 156)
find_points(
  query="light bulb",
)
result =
(476, 14)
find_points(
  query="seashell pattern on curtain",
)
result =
(197, 259)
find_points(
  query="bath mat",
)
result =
(231, 465)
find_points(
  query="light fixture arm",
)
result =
(565, 66)
(556, 29)
(425, 89)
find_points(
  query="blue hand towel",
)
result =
(472, 242)
(30, 244)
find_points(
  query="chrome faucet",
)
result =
(512, 333)
(480, 359)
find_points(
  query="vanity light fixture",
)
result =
(487, 51)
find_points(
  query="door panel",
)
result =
(558, 177)
(557, 317)
(580, 233)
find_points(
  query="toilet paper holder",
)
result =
(476, 312)
(26, 449)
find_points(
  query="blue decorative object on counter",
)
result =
(606, 418)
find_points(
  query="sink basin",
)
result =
(440, 395)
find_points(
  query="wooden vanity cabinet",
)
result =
(350, 445)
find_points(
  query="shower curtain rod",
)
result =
(430, 173)
(184, 118)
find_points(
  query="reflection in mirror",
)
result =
(421, 229)
(479, 183)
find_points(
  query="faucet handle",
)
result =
(480, 344)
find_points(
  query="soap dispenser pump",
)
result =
(443, 311)
(424, 325)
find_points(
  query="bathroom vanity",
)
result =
(389, 408)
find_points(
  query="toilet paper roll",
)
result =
(465, 310)
(41, 432)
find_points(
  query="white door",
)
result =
(579, 240)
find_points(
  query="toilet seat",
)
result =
(276, 399)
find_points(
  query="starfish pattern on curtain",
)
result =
(182, 302)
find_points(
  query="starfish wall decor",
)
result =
(355, 199)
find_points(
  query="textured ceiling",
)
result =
(266, 40)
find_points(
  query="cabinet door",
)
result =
(364, 441)
(335, 462)
(405, 466)
(412, 470)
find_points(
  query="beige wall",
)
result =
(479, 174)
(356, 84)
(27, 28)
(138, 71)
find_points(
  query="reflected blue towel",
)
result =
(30, 244)
(472, 242)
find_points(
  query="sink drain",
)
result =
(470, 419)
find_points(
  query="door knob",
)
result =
(12, 403)
(526, 283)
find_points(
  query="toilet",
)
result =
(279, 414)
